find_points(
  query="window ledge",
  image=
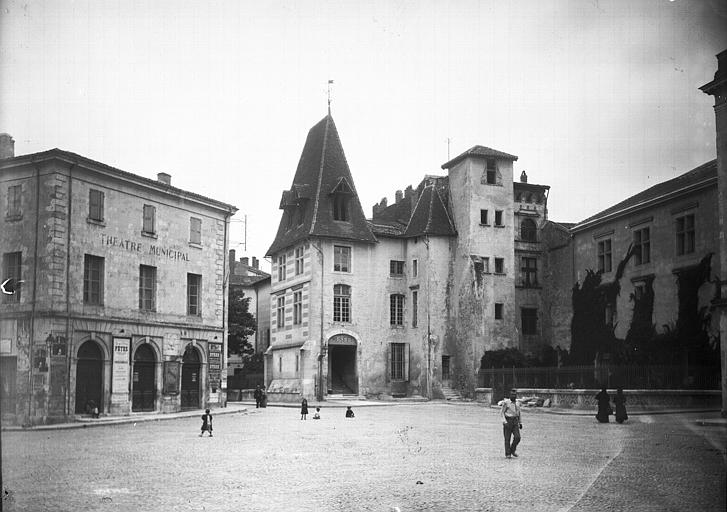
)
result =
(195, 245)
(96, 222)
(14, 218)
(149, 235)
(500, 273)
(396, 276)
(499, 226)
(397, 326)
(487, 225)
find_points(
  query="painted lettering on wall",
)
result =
(138, 247)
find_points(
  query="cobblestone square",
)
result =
(432, 456)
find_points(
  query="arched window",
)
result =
(528, 231)
(341, 303)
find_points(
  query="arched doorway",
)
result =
(89, 377)
(144, 383)
(342, 376)
(190, 378)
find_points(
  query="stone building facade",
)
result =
(122, 304)
(407, 302)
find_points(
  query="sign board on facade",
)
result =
(6, 346)
(120, 379)
(171, 377)
(214, 366)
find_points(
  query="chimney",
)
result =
(7, 146)
(245, 261)
(523, 177)
(232, 258)
(255, 263)
(164, 178)
(399, 196)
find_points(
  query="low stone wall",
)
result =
(635, 398)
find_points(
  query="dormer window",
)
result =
(340, 197)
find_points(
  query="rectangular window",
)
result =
(396, 268)
(93, 275)
(529, 318)
(483, 217)
(491, 171)
(685, 234)
(414, 308)
(95, 205)
(486, 265)
(298, 261)
(498, 311)
(281, 312)
(15, 195)
(604, 255)
(194, 282)
(297, 363)
(414, 268)
(297, 307)
(399, 361)
(280, 364)
(149, 221)
(12, 266)
(530, 271)
(642, 246)
(341, 258)
(195, 230)
(498, 218)
(341, 303)
(396, 309)
(499, 266)
(281, 268)
(147, 287)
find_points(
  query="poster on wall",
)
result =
(120, 379)
(215, 365)
(171, 377)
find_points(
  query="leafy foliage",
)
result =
(240, 324)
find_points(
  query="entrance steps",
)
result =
(451, 394)
(342, 397)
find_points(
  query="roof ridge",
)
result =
(320, 176)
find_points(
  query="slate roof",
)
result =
(321, 169)
(478, 151)
(696, 176)
(430, 216)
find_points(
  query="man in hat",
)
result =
(511, 423)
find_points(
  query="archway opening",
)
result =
(144, 381)
(89, 378)
(190, 378)
(343, 378)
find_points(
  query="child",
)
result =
(304, 409)
(349, 412)
(206, 423)
(317, 415)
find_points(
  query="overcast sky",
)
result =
(599, 99)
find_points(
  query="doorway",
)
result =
(89, 378)
(144, 382)
(445, 371)
(343, 378)
(8, 376)
(190, 378)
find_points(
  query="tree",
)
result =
(240, 324)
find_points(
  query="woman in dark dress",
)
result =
(604, 406)
(620, 402)
(304, 409)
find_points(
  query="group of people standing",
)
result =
(605, 409)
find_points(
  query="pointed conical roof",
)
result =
(308, 206)
(430, 216)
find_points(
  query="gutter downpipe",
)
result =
(35, 289)
(429, 330)
(225, 281)
(69, 339)
(321, 348)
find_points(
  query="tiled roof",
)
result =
(701, 174)
(321, 168)
(478, 151)
(430, 216)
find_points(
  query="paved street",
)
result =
(434, 456)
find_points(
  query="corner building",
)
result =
(405, 303)
(123, 300)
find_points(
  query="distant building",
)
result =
(123, 304)
(247, 277)
(408, 302)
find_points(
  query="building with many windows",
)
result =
(405, 303)
(122, 302)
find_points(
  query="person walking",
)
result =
(304, 409)
(511, 423)
(604, 406)
(258, 395)
(206, 423)
(620, 402)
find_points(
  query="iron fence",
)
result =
(610, 376)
